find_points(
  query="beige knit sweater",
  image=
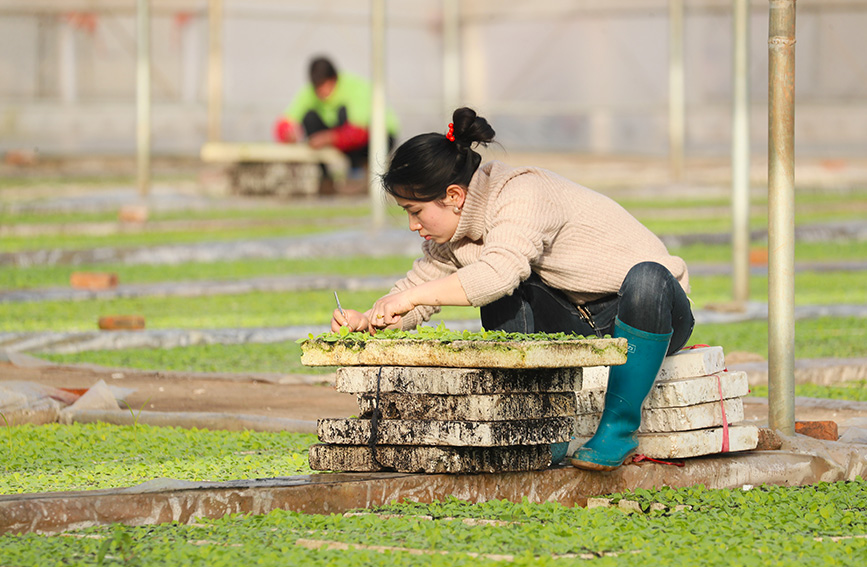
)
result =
(518, 220)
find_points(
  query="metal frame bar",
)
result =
(143, 97)
(781, 216)
(741, 150)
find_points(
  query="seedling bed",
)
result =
(815, 525)
(440, 348)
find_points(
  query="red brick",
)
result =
(20, 158)
(759, 257)
(769, 440)
(93, 280)
(826, 430)
(133, 213)
(122, 323)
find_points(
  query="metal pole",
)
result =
(67, 56)
(741, 152)
(781, 216)
(143, 98)
(378, 152)
(676, 104)
(215, 70)
(190, 57)
(451, 56)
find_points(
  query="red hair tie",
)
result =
(450, 136)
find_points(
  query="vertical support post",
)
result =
(451, 56)
(601, 126)
(676, 98)
(215, 70)
(781, 216)
(67, 55)
(740, 151)
(378, 137)
(474, 60)
(189, 31)
(143, 97)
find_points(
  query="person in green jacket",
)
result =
(332, 110)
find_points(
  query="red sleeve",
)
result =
(349, 137)
(282, 130)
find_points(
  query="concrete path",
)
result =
(353, 242)
(387, 242)
(72, 342)
(90, 198)
(287, 283)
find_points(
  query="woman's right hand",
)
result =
(354, 320)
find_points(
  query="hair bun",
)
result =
(421, 168)
(470, 128)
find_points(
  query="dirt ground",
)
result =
(298, 397)
(306, 399)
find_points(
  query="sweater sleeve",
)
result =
(435, 264)
(522, 222)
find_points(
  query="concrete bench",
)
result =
(263, 168)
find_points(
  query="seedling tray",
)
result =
(465, 353)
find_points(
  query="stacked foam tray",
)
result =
(448, 420)
(689, 412)
(462, 415)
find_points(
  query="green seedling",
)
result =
(8, 439)
(853, 391)
(120, 542)
(135, 418)
(99, 455)
(439, 333)
(815, 525)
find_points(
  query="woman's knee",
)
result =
(646, 282)
(647, 298)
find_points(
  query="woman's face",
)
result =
(433, 220)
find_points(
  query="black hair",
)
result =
(321, 70)
(425, 165)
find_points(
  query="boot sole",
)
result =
(591, 466)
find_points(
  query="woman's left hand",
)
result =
(388, 310)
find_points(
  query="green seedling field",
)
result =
(257, 309)
(58, 275)
(760, 526)
(819, 525)
(54, 457)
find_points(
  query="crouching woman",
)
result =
(536, 253)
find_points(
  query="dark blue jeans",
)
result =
(650, 299)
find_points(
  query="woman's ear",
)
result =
(455, 196)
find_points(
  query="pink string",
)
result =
(639, 458)
(722, 405)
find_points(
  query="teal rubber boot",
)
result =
(628, 385)
(558, 452)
